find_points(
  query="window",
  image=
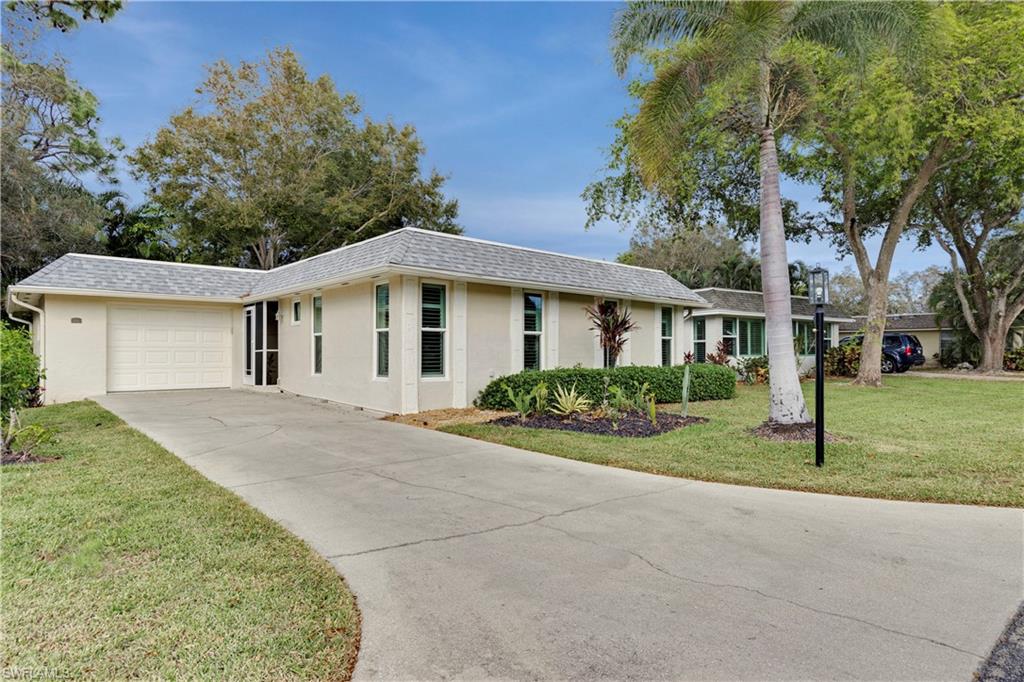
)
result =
(729, 335)
(803, 337)
(318, 336)
(666, 337)
(533, 330)
(699, 343)
(751, 337)
(947, 341)
(433, 325)
(382, 326)
(296, 311)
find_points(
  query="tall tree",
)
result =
(50, 144)
(729, 77)
(975, 211)
(270, 166)
(882, 134)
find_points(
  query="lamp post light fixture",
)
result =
(817, 293)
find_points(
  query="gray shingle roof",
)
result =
(897, 323)
(93, 273)
(753, 302)
(407, 248)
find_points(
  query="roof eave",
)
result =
(109, 293)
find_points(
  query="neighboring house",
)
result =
(934, 333)
(737, 318)
(407, 321)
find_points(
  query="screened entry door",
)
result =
(261, 360)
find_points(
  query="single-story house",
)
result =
(934, 333)
(737, 318)
(410, 320)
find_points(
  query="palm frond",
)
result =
(855, 28)
(646, 23)
(668, 100)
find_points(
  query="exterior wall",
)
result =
(349, 372)
(931, 343)
(577, 342)
(75, 353)
(643, 347)
(490, 334)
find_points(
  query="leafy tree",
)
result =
(269, 167)
(729, 81)
(50, 142)
(139, 231)
(975, 214)
(945, 303)
(882, 134)
(64, 14)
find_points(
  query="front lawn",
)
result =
(120, 561)
(939, 440)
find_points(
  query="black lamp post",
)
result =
(817, 292)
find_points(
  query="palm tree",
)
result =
(731, 58)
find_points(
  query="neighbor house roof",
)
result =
(898, 323)
(408, 249)
(752, 302)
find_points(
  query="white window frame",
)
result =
(671, 335)
(296, 306)
(445, 350)
(734, 336)
(540, 334)
(703, 340)
(375, 370)
(313, 334)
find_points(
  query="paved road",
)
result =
(471, 560)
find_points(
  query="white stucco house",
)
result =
(407, 321)
(737, 318)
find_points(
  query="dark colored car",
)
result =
(900, 352)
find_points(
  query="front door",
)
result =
(261, 344)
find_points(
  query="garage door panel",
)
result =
(156, 347)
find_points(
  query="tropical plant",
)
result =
(568, 403)
(729, 78)
(540, 397)
(17, 441)
(1013, 360)
(754, 370)
(842, 361)
(522, 402)
(720, 356)
(613, 326)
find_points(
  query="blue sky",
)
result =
(515, 102)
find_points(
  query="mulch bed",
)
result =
(629, 425)
(790, 432)
(23, 458)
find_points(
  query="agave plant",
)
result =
(569, 402)
(613, 325)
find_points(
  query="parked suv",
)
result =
(900, 352)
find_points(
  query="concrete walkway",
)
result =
(472, 560)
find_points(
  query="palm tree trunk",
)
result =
(786, 399)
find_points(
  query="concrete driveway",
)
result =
(471, 560)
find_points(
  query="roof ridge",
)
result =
(536, 250)
(390, 233)
(100, 256)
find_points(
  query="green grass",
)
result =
(938, 440)
(120, 561)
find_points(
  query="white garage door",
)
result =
(160, 347)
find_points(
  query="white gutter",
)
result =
(105, 293)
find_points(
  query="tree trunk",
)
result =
(993, 348)
(870, 372)
(786, 399)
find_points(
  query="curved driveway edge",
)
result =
(474, 560)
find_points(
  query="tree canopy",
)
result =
(269, 166)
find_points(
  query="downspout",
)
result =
(11, 298)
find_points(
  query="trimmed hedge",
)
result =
(707, 382)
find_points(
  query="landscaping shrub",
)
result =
(707, 382)
(754, 370)
(1013, 360)
(843, 361)
(19, 370)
